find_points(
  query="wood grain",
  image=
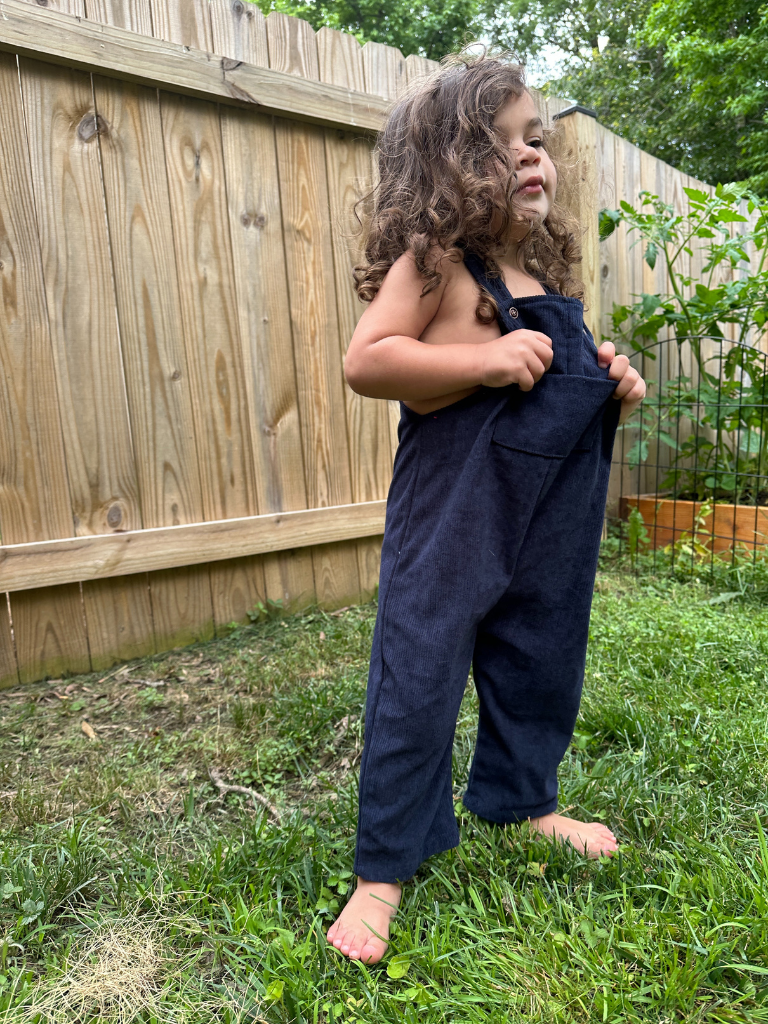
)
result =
(134, 15)
(385, 71)
(314, 316)
(417, 68)
(118, 615)
(157, 377)
(208, 305)
(263, 305)
(34, 492)
(81, 305)
(209, 313)
(292, 46)
(187, 23)
(76, 7)
(50, 633)
(94, 424)
(253, 198)
(60, 39)
(238, 31)
(9, 670)
(580, 133)
(340, 59)
(53, 562)
(348, 161)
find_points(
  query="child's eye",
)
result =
(536, 143)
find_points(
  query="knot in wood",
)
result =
(229, 63)
(176, 375)
(42, 3)
(91, 125)
(115, 516)
(238, 7)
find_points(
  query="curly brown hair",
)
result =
(447, 184)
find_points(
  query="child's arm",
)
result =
(385, 359)
(631, 387)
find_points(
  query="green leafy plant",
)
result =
(711, 419)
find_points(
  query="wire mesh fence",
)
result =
(690, 485)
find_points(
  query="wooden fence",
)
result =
(177, 442)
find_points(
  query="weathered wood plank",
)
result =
(385, 71)
(190, 619)
(263, 305)
(133, 15)
(580, 138)
(209, 313)
(118, 615)
(61, 39)
(340, 59)
(208, 305)
(9, 670)
(69, 200)
(348, 160)
(34, 492)
(418, 68)
(50, 633)
(157, 377)
(76, 7)
(238, 31)
(262, 299)
(187, 23)
(292, 46)
(65, 162)
(53, 562)
(314, 316)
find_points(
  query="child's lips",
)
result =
(532, 188)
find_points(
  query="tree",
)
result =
(683, 79)
(432, 29)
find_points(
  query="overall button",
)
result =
(513, 312)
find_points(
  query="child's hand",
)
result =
(520, 357)
(630, 389)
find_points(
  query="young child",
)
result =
(494, 514)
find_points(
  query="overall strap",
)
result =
(508, 319)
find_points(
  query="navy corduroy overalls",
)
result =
(492, 532)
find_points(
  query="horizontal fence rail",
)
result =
(74, 559)
(65, 39)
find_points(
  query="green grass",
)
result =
(131, 891)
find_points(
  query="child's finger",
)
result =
(627, 382)
(543, 353)
(526, 380)
(606, 354)
(619, 368)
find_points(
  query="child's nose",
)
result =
(527, 155)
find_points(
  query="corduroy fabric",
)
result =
(489, 556)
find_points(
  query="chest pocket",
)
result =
(560, 415)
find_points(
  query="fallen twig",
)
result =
(224, 788)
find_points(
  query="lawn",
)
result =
(133, 888)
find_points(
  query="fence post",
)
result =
(580, 138)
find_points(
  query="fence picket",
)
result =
(314, 315)
(210, 319)
(64, 153)
(348, 161)
(9, 669)
(187, 23)
(238, 31)
(133, 15)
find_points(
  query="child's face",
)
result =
(537, 177)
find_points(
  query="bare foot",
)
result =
(591, 838)
(370, 910)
